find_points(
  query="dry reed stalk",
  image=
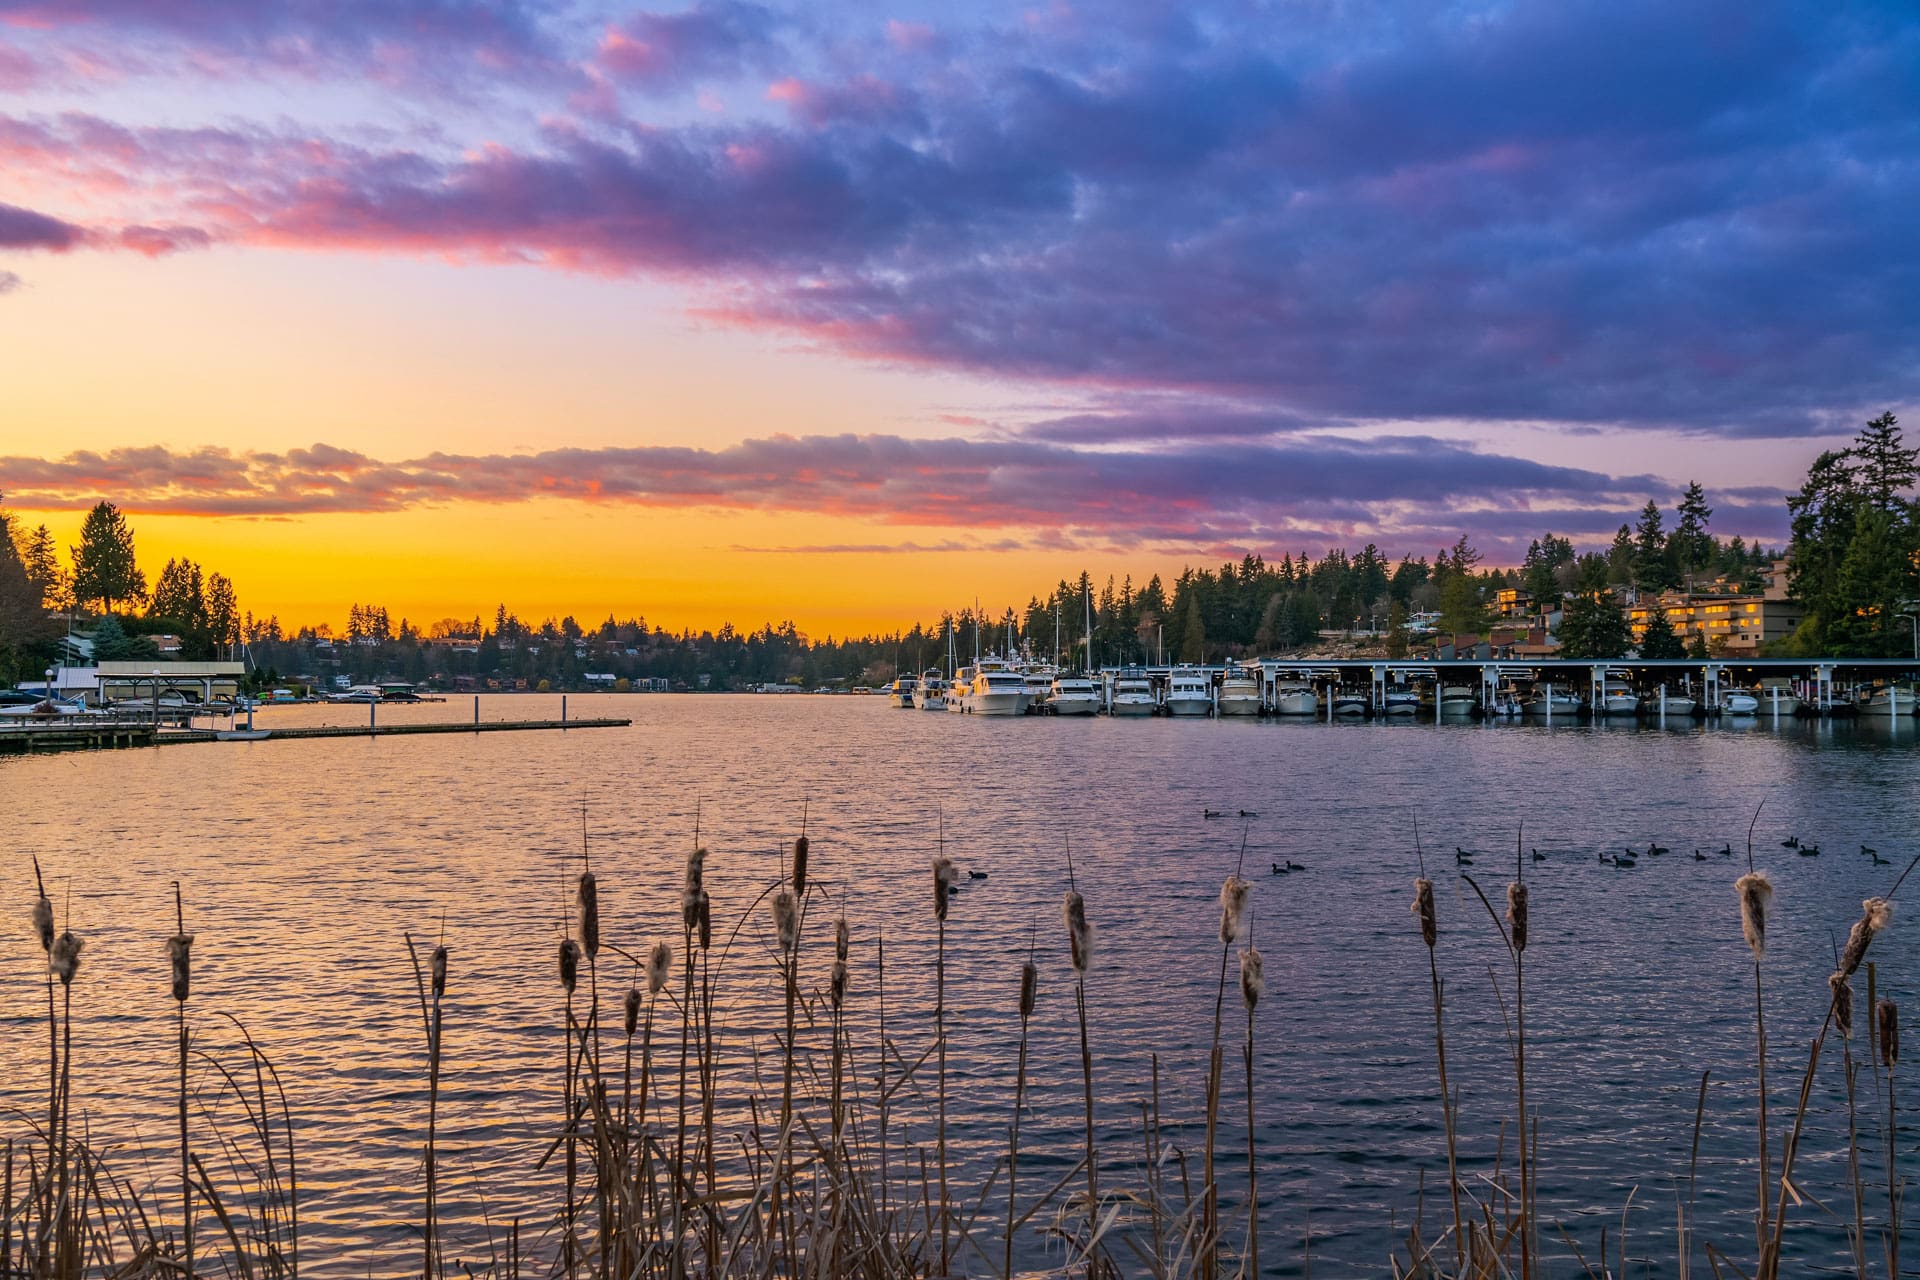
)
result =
(65, 957)
(1029, 988)
(1517, 939)
(569, 979)
(786, 928)
(178, 956)
(1253, 983)
(1756, 897)
(695, 920)
(1423, 910)
(42, 916)
(1886, 1018)
(1073, 909)
(1843, 1022)
(944, 876)
(1233, 923)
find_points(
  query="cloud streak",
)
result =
(1405, 492)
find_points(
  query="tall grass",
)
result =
(844, 1169)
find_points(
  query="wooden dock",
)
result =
(102, 735)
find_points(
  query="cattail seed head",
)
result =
(706, 923)
(944, 876)
(569, 964)
(837, 984)
(177, 947)
(438, 970)
(65, 957)
(840, 939)
(800, 867)
(1874, 916)
(1517, 914)
(1842, 1004)
(588, 899)
(1253, 978)
(1423, 908)
(632, 1010)
(786, 922)
(696, 871)
(1756, 895)
(1029, 986)
(659, 963)
(1233, 908)
(1079, 933)
(43, 922)
(1887, 1014)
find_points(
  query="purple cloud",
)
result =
(655, 51)
(1402, 491)
(25, 229)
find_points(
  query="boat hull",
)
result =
(1188, 706)
(1136, 705)
(1296, 702)
(1080, 704)
(1739, 704)
(1562, 708)
(1239, 704)
(996, 704)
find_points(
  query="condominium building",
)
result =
(1732, 623)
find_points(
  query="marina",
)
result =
(1445, 691)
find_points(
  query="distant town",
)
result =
(1846, 585)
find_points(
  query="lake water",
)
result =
(304, 864)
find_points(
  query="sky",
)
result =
(850, 313)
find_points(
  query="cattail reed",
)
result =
(437, 969)
(1253, 984)
(65, 957)
(569, 979)
(800, 847)
(1842, 994)
(631, 1021)
(1233, 908)
(1073, 909)
(179, 948)
(1029, 988)
(1886, 1015)
(1875, 913)
(1423, 910)
(587, 899)
(43, 922)
(944, 876)
(1756, 896)
(569, 968)
(837, 986)
(177, 957)
(786, 922)
(1517, 914)
(659, 965)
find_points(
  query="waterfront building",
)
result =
(1732, 622)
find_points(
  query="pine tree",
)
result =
(1650, 571)
(1887, 468)
(1691, 544)
(1659, 640)
(104, 567)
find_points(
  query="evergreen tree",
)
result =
(1691, 544)
(1650, 572)
(1659, 639)
(104, 567)
(1398, 641)
(1193, 639)
(1854, 561)
(1594, 627)
(1887, 468)
(1620, 558)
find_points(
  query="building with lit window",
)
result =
(1733, 623)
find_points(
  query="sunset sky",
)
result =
(848, 313)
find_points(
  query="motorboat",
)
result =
(959, 688)
(1073, 696)
(1738, 702)
(1295, 698)
(930, 691)
(1888, 700)
(1678, 705)
(1039, 689)
(1548, 703)
(900, 692)
(1349, 705)
(1458, 702)
(1616, 698)
(1778, 700)
(1189, 692)
(1400, 701)
(997, 690)
(1132, 695)
(1239, 695)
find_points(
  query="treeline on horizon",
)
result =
(1854, 562)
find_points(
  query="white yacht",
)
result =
(1457, 702)
(959, 687)
(997, 690)
(1400, 701)
(1295, 698)
(1073, 696)
(1617, 698)
(1189, 692)
(1239, 695)
(1549, 703)
(1738, 702)
(931, 693)
(1678, 706)
(1778, 699)
(1132, 695)
(900, 692)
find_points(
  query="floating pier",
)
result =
(90, 734)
